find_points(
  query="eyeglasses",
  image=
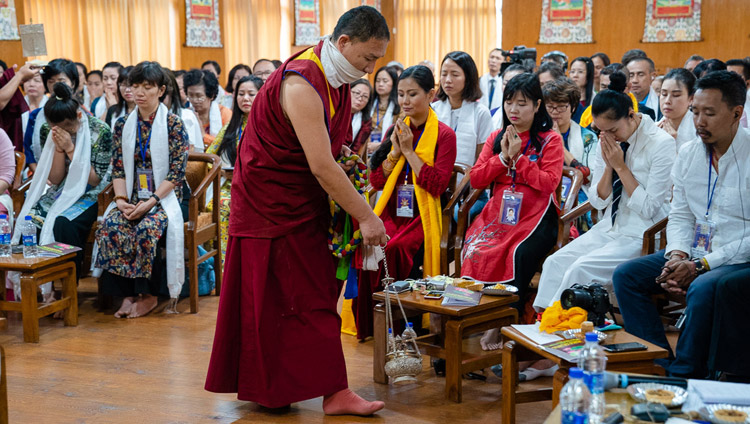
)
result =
(360, 95)
(560, 108)
(196, 99)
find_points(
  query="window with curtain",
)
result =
(429, 29)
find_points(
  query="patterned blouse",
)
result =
(101, 153)
(178, 152)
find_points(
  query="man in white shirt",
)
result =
(742, 68)
(491, 83)
(707, 233)
(641, 73)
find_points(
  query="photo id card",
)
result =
(145, 183)
(704, 232)
(510, 209)
(376, 136)
(405, 199)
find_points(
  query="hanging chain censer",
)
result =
(403, 359)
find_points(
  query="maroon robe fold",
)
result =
(10, 116)
(277, 335)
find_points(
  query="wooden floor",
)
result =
(152, 370)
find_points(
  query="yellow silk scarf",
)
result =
(429, 206)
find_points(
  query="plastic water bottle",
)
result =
(593, 362)
(408, 336)
(28, 233)
(4, 236)
(391, 341)
(575, 399)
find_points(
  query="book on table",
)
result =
(567, 349)
(457, 296)
(54, 250)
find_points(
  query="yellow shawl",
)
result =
(429, 206)
(587, 119)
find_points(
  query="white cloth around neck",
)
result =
(75, 181)
(336, 67)
(214, 118)
(356, 124)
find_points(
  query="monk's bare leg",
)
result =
(143, 305)
(127, 305)
(346, 402)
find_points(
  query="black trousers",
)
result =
(729, 338)
(76, 232)
(530, 253)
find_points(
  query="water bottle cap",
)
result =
(575, 372)
(409, 325)
(390, 331)
(28, 218)
(3, 216)
(592, 337)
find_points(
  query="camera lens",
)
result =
(576, 297)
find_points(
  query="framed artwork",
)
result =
(665, 9)
(567, 10)
(672, 20)
(202, 28)
(8, 25)
(306, 22)
(202, 9)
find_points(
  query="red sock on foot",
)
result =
(346, 402)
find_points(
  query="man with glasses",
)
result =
(263, 69)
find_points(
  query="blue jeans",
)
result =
(635, 283)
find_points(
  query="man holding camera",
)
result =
(707, 235)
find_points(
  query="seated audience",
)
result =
(148, 170)
(225, 146)
(202, 89)
(549, 71)
(190, 121)
(72, 170)
(213, 67)
(742, 68)
(509, 73)
(83, 96)
(126, 99)
(631, 55)
(706, 235)
(35, 97)
(561, 97)
(57, 70)
(235, 74)
(110, 91)
(605, 73)
(629, 183)
(263, 68)
(693, 61)
(707, 66)
(676, 97)
(178, 75)
(600, 60)
(507, 240)
(558, 57)
(94, 87)
(385, 106)
(641, 73)
(656, 84)
(413, 164)
(361, 92)
(582, 73)
(491, 82)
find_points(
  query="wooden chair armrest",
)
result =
(649, 236)
(577, 212)
(19, 195)
(461, 190)
(104, 198)
(212, 175)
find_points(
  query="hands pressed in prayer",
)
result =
(612, 153)
(514, 141)
(405, 136)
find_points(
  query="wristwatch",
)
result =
(700, 267)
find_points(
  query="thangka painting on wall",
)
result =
(8, 25)
(306, 22)
(566, 21)
(202, 23)
(372, 3)
(672, 20)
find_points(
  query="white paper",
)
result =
(532, 332)
(721, 392)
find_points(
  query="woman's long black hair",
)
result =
(422, 75)
(393, 97)
(589, 76)
(528, 85)
(229, 142)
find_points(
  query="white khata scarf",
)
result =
(338, 70)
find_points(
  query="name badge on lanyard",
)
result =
(145, 177)
(510, 208)
(405, 199)
(704, 228)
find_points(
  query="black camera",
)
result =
(521, 55)
(593, 298)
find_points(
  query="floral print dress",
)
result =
(128, 248)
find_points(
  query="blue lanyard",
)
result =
(377, 113)
(239, 134)
(513, 171)
(142, 147)
(710, 191)
(407, 162)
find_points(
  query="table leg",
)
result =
(379, 345)
(510, 381)
(558, 381)
(29, 309)
(453, 359)
(70, 290)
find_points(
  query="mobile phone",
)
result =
(433, 294)
(623, 347)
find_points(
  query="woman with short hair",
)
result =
(202, 89)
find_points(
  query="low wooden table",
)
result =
(456, 322)
(518, 347)
(35, 272)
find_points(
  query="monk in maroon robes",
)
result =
(277, 335)
(12, 103)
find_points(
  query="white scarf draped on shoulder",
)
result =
(160, 163)
(214, 118)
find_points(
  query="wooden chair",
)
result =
(202, 226)
(670, 305)
(16, 194)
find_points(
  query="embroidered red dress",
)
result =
(406, 234)
(278, 333)
(490, 245)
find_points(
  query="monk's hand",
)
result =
(373, 231)
(514, 142)
(27, 72)
(405, 136)
(345, 153)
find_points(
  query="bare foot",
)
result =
(145, 304)
(346, 402)
(490, 340)
(127, 305)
